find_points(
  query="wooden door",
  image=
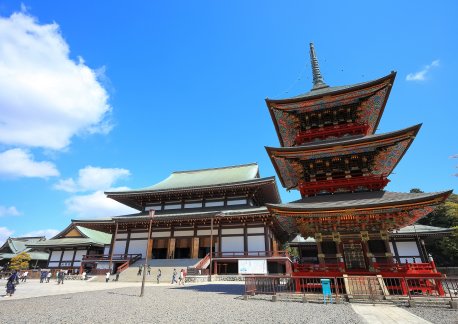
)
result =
(354, 256)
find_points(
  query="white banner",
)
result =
(252, 266)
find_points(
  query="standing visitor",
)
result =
(174, 276)
(140, 270)
(63, 276)
(149, 270)
(42, 277)
(83, 276)
(48, 276)
(24, 278)
(107, 277)
(117, 275)
(181, 278)
(9, 287)
(58, 277)
(158, 276)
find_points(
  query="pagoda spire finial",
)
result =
(318, 82)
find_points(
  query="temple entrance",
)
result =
(183, 248)
(354, 256)
(159, 250)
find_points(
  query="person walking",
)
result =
(42, 277)
(107, 277)
(158, 276)
(117, 275)
(9, 287)
(24, 278)
(140, 268)
(63, 276)
(174, 276)
(149, 270)
(59, 277)
(48, 276)
(83, 275)
(181, 278)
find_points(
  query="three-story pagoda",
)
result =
(331, 154)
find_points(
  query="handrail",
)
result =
(202, 262)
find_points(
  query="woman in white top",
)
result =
(108, 276)
(181, 278)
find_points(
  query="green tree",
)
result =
(20, 261)
(291, 250)
(445, 250)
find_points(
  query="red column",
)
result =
(215, 264)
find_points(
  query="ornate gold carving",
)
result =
(336, 237)
(371, 269)
(388, 254)
(321, 255)
(369, 255)
(365, 236)
(318, 237)
(338, 255)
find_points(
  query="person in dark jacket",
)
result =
(43, 276)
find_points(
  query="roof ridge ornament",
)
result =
(318, 82)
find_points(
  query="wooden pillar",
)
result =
(245, 238)
(319, 239)
(113, 242)
(219, 239)
(195, 248)
(266, 238)
(365, 239)
(424, 259)
(215, 266)
(126, 251)
(388, 254)
(171, 248)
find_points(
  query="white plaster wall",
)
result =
(236, 202)
(139, 235)
(76, 264)
(55, 256)
(120, 247)
(160, 234)
(121, 236)
(254, 230)
(137, 247)
(206, 232)
(193, 205)
(68, 255)
(214, 203)
(256, 243)
(183, 233)
(79, 254)
(53, 264)
(232, 244)
(232, 231)
(106, 249)
(407, 248)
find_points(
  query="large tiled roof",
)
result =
(181, 214)
(14, 246)
(357, 200)
(89, 237)
(182, 180)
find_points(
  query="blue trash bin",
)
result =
(326, 285)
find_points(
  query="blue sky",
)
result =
(97, 95)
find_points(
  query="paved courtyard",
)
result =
(97, 302)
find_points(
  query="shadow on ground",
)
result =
(222, 289)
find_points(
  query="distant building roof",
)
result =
(14, 246)
(70, 237)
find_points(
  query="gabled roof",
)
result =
(87, 237)
(184, 180)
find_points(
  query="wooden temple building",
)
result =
(330, 153)
(187, 204)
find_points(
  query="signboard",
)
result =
(252, 266)
(65, 264)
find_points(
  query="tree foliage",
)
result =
(291, 250)
(445, 250)
(20, 261)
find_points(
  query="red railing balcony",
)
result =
(331, 131)
(351, 184)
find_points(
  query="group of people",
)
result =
(181, 278)
(45, 276)
(148, 272)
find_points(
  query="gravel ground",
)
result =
(437, 314)
(216, 303)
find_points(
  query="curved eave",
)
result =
(357, 87)
(434, 198)
(342, 143)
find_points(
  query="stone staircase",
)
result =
(166, 266)
(365, 287)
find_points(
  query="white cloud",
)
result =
(10, 211)
(46, 97)
(97, 205)
(19, 163)
(93, 178)
(420, 76)
(4, 234)
(49, 233)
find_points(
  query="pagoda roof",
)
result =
(360, 200)
(397, 142)
(69, 237)
(377, 91)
